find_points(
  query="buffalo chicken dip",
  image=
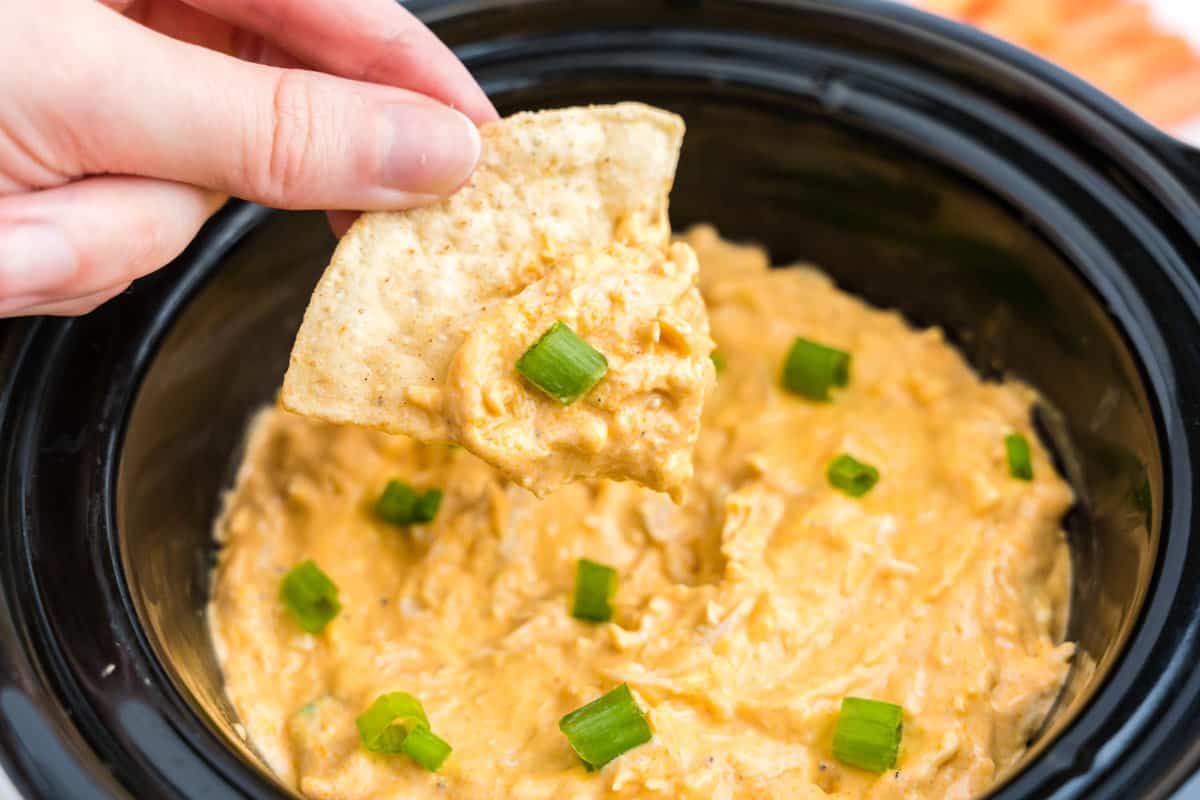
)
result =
(861, 592)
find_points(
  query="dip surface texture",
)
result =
(743, 616)
(641, 309)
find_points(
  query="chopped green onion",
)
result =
(810, 369)
(426, 748)
(310, 596)
(851, 475)
(397, 503)
(606, 727)
(1019, 464)
(718, 361)
(427, 506)
(595, 585)
(396, 723)
(400, 504)
(387, 723)
(562, 365)
(868, 734)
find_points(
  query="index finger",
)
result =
(367, 40)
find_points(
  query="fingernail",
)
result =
(429, 149)
(34, 257)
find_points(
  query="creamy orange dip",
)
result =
(744, 614)
(640, 308)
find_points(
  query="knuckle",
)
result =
(287, 155)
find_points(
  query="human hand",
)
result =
(120, 133)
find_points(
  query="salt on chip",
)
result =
(403, 288)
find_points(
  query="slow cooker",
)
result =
(927, 167)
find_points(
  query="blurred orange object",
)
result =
(1114, 44)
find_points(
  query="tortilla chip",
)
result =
(403, 288)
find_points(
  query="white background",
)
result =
(1184, 17)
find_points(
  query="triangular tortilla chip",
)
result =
(404, 288)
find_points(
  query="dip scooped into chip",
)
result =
(417, 325)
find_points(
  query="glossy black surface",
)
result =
(923, 165)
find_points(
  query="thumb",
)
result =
(283, 137)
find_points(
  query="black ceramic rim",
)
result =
(71, 728)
